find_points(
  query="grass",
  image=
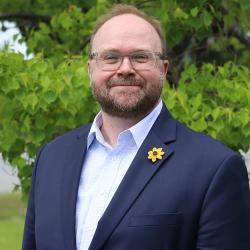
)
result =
(12, 213)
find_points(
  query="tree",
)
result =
(197, 31)
(208, 47)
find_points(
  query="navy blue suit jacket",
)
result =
(196, 197)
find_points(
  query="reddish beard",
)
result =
(135, 103)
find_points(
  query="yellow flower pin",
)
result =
(155, 154)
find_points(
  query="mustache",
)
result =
(128, 81)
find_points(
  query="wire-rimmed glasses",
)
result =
(140, 60)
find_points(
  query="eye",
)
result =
(110, 58)
(141, 57)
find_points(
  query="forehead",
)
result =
(126, 32)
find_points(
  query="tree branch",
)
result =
(24, 16)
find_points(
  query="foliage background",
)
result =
(208, 87)
(11, 221)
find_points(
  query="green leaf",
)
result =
(244, 117)
(218, 124)
(66, 21)
(197, 101)
(194, 12)
(215, 113)
(32, 100)
(41, 121)
(246, 130)
(12, 84)
(207, 19)
(179, 13)
(49, 96)
(46, 82)
(199, 125)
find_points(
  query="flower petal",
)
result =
(155, 154)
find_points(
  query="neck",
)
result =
(112, 126)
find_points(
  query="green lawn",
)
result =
(12, 212)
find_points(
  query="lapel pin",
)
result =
(155, 154)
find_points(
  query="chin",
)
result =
(128, 102)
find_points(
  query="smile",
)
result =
(124, 85)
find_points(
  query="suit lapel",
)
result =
(138, 175)
(74, 155)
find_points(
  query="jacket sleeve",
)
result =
(29, 239)
(225, 215)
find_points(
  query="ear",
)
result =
(89, 71)
(165, 67)
(88, 68)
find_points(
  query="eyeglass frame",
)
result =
(94, 55)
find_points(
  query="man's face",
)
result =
(127, 92)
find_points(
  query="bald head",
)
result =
(124, 31)
(128, 10)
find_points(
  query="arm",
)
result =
(225, 215)
(29, 240)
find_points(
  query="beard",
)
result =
(136, 101)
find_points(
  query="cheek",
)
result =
(153, 77)
(100, 77)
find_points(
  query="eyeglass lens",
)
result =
(142, 60)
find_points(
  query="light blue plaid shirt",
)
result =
(103, 170)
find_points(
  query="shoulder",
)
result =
(187, 141)
(68, 138)
(200, 141)
(206, 160)
(203, 154)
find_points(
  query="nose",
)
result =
(126, 68)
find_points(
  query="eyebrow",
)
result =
(117, 51)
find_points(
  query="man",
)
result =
(135, 179)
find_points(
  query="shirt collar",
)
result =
(139, 131)
(95, 131)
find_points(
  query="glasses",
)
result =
(140, 60)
